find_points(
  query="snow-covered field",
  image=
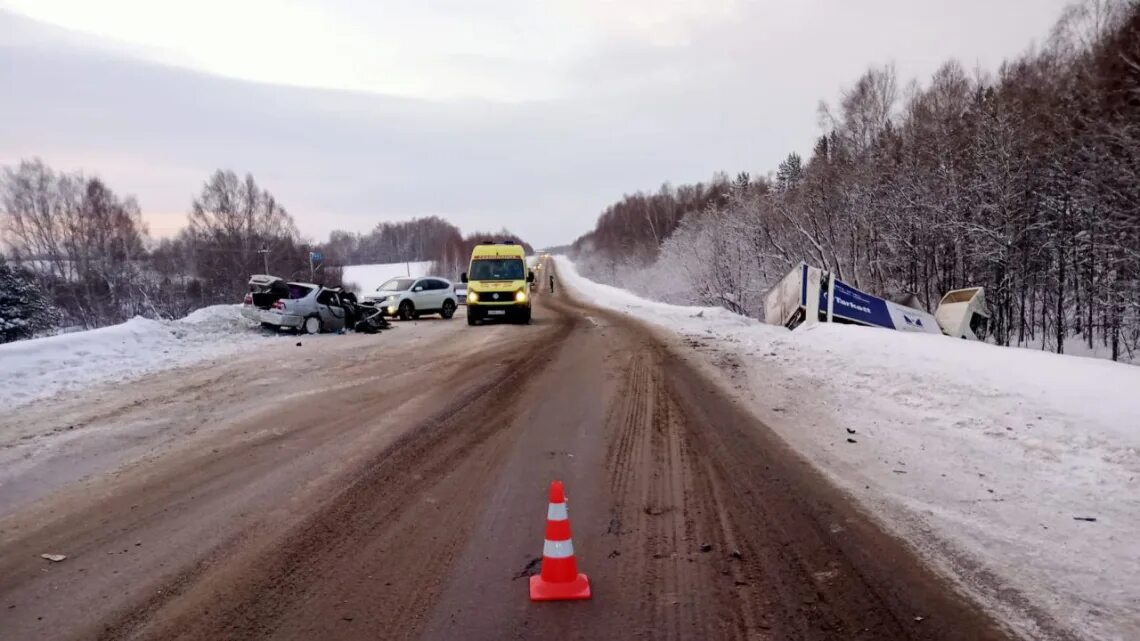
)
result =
(35, 369)
(366, 278)
(38, 368)
(987, 459)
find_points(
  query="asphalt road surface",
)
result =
(395, 487)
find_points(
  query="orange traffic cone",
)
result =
(559, 579)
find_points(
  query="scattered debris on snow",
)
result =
(54, 558)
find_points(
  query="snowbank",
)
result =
(366, 278)
(38, 368)
(982, 456)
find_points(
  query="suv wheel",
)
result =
(448, 309)
(407, 310)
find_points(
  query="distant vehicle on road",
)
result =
(276, 304)
(409, 298)
(497, 283)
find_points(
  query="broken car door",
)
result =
(331, 310)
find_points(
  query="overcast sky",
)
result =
(529, 114)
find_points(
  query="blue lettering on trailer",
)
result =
(854, 305)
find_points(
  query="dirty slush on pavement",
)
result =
(691, 519)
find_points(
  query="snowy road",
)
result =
(1015, 472)
(394, 486)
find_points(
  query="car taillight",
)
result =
(248, 299)
(278, 305)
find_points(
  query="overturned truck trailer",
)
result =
(808, 294)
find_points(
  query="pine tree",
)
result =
(23, 306)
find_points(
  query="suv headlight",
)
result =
(520, 296)
(472, 297)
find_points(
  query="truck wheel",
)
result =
(524, 317)
(312, 325)
(472, 319)
(448, 309)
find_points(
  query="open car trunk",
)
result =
(266, 290)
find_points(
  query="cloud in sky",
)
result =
(508, 112)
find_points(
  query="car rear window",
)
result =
(298, 291)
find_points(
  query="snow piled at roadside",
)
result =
(38, 368)
(983, 457)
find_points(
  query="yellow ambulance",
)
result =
(497, 283)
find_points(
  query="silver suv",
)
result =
(409, 298)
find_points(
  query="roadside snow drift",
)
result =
(1015, 472)
(42, 367)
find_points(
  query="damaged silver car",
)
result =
(306, 307)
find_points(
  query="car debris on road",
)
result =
(372, 320)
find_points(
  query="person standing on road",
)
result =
(552, 283)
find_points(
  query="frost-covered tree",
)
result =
(86, 243)
(1025, 182)
(24, 308)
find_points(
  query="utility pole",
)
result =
(265, 257)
